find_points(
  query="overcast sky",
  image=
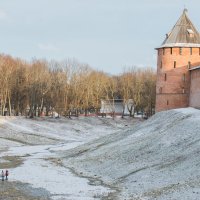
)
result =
(106, 34)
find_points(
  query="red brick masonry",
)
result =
(177, 86)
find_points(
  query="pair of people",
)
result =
(4, 174)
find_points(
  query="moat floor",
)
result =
(101, 158)
(32, 150)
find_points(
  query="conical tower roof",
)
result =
(183, 34)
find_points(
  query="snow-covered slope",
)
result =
(158, 159)
(49, 131)
(28, 148)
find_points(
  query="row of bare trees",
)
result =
(69, 87)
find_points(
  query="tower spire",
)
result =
(183, 34)
(185, 9)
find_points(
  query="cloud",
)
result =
(48, 47)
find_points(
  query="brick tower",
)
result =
(179, 52)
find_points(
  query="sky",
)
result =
(108, 35)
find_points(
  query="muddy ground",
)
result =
(21, 191)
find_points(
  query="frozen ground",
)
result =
(95, 158)
(33, 149)
(158, 159)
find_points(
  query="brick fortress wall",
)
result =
(194, 100)
(173, 76)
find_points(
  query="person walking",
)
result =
(7, 173)
(2, 175)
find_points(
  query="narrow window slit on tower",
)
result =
(167, 102)
(161, 64)
(174, 64)
(180, 50)
(190, 50)
(165, 76)
(171, 50)
(163, 51)
(184, 78)
(189, 65)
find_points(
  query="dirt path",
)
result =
(21, 191)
